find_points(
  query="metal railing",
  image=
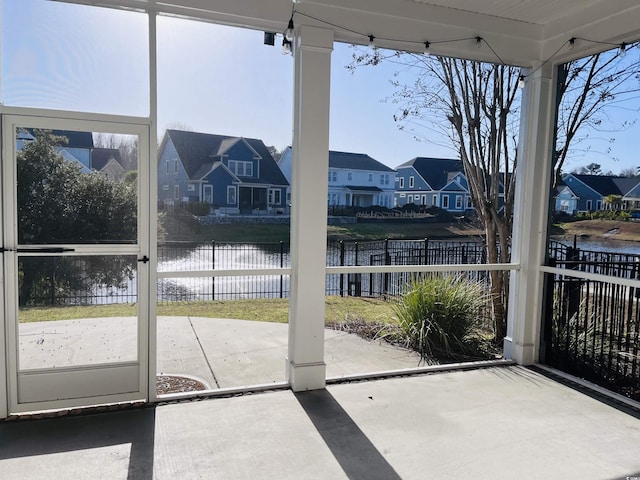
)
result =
(592, 327)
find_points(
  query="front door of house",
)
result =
(75, 262)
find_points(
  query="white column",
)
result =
(533, 178)
(306, 369)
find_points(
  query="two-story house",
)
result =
(235, 175)
(438, 182)
(355, 179)
(78, 148)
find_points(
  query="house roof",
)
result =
(74, 138)
(606, 184)
(101, 156)
(634, 193)
(356, 188)
(197, 151)
(356, 161)
(626, 184)
(435, 171)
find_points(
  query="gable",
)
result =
(238, 149)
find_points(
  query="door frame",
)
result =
(138, 371)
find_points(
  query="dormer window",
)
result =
(241, 169)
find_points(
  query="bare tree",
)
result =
(628, 172)
(473, 105)
(590, 89)
(127, 145)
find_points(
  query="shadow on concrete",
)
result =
(32, 438)
(355, 453)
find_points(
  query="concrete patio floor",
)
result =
(492, 423)
(221, 352)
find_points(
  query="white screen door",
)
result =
(76, 261)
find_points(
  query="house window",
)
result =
(588, 205)
(274, 196)
(423, 200)
(371, 177)
(386, 179)
(410, 182)
(401, 182)
(445, 201)
(231, 195)
(409, 198)
(165, 187)
(349, 176)
(207, 192)
(334, 176)
(167, 167)
(458, 202)
(434, 200)
(175, 166)
(598, 205)
(176, 192)
(381, 179)
(469, 202)
(191, 187)
(241, 169)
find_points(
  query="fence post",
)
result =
(342, 265)
(281, 264)
(213, 267)
(426, 251)
(547, 345)
(387, 261)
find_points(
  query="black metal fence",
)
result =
(592, 328)
(229, 256)
(77, 280)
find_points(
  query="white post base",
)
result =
(306, 376)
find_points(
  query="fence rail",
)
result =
(229, 256)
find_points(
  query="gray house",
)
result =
(355, 179)
(588, 193)
(438, 182)
(234, 175)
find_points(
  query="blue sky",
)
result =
(212, 79)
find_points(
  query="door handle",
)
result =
(44, 250)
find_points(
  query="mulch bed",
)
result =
(177, 384)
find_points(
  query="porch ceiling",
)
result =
(522, 32)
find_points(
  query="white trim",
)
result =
(16, 401)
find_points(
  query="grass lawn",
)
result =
(598, 230)
(357, 231)
(337, 309)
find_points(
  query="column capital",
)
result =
(314, 37)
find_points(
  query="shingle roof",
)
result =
(356, 188)
(434, 171)
(197, 152)
(607, 184)
(625, 184)
(356, 161)
(101, 156)
(74, 139)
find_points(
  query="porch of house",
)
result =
(497, 422)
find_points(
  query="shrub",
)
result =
(443, 315)
(199, 209)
